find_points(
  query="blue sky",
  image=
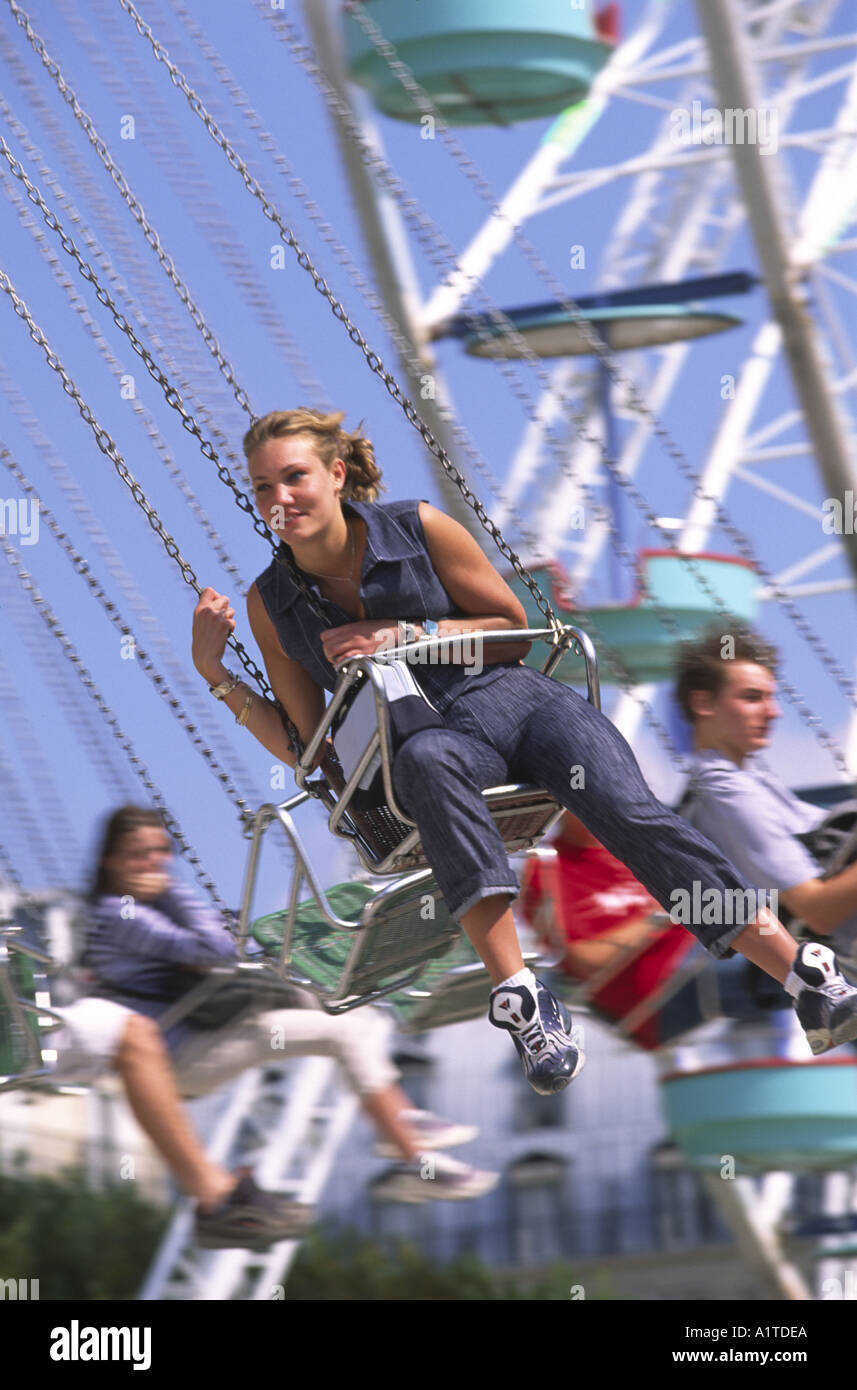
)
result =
(221, 243)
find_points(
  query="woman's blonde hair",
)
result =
(363, 476)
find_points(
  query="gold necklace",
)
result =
(341, 578)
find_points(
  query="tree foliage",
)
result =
(78, 1243)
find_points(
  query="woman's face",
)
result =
(295, 494)
(140, 863)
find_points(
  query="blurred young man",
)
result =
(726, 689)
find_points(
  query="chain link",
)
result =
(83, 568)
(78, 503)
(133, 204)
(184, 177)
(77, 713)
(107, 446)
(152, 297)
(115, 366)
(52, 622)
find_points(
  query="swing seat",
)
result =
(350, 944)
(387, 840)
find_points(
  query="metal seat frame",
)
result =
(406, 893)
(388, 842)
(406, 858)
(38, 1071)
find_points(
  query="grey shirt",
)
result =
(753, 818)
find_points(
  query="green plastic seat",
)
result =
(20, 1039)
(388, 944)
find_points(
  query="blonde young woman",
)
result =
(369, 566)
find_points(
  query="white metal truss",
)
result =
(683, 212)
(290, 1123)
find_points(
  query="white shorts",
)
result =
(358, 1041)
(88, 1043)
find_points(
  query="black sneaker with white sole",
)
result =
(251, 1219)
(549, 1045)
(826, 1003)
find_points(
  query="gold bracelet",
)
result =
(226, 686)
(245, 712)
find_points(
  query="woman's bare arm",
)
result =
(297, 692)
(303, 700)
(473, 584)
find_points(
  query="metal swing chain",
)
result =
(373, 360)
(53, 624)
(112, 770)
(304, 260)
(599, 348)
(134, 205)
(240, 101)
(71, 490)
(83, 568)
(195, 192)
(116, 367)
(171, 395)
(107, 446)
(122, 291)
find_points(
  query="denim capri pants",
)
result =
(526, 727)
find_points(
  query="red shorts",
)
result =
(584, 894)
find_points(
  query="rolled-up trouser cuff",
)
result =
(477, 895)
(721, 947)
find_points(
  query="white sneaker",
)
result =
(826, 1003)
(431, 1132)
(434, 1177)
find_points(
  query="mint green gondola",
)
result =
(769, 1115)
(635, 632)
(481, 62)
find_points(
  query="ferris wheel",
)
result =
(737, 140)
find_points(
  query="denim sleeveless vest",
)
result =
(397, 581)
